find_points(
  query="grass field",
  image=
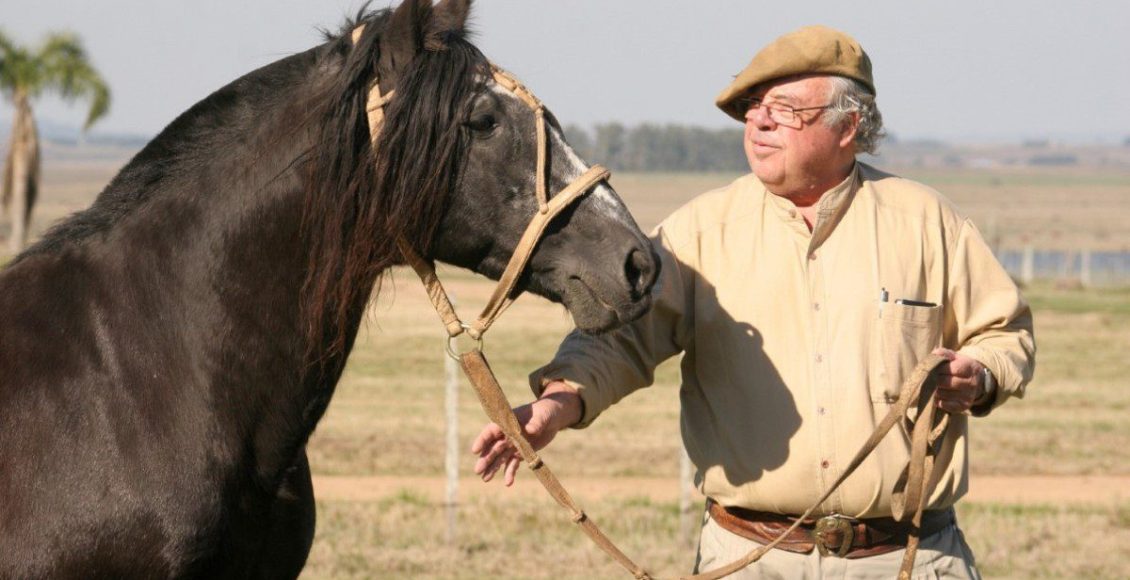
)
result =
(387, 416)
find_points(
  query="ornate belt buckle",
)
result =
(828, 528)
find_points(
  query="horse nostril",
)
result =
(640, 270)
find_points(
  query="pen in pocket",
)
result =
(906, 302)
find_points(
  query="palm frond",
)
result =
(67, 69)
(16, 70)
(99, 103)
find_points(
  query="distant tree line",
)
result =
(659, 148)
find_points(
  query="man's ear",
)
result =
(850, 128)
(403, 37)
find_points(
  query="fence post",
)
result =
(1028, 264)
(1085, 267)
(451, 462)
(686, 486)
(992, 234)
(1067, 268)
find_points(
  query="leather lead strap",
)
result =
(436, 292)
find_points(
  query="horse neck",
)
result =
(221, 239)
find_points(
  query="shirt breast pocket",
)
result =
(902, 336)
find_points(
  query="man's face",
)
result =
(803, 157)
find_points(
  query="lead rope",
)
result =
(498, 408)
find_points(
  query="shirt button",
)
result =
(819, 358)
(792, 213)
(816, 306)
(821, 411)
(825, 464)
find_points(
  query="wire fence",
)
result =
(1085, 267)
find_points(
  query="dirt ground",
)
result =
(1051, 489)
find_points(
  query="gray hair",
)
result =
(851, 96)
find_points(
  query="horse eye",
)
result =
(482, 123)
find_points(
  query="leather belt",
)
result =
(833, 535)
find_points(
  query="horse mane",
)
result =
(360, 200)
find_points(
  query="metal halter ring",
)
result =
(451, 342)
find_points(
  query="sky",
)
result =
(961, 70)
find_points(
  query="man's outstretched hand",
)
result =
(558, 408)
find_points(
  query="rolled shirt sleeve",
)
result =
(992, 323)
(624, 360)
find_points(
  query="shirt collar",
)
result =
(829, 210)
(832, 207)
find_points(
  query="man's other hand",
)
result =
(960, 382)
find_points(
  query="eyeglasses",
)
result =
(781, 114)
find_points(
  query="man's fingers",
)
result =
(955, 395)
(486, 437)
(512, 470)
(499, 451)
(498, 462)
(953, 407)
(949, 384)
(490, 457)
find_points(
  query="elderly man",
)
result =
(801, 295)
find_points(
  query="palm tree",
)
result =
(60, 65)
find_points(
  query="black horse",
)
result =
(166, 353)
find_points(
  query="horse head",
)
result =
(593, 257)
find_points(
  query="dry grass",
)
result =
(1048, 541)
(403, 536)
(1074, 418)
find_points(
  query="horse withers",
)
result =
(166, 353)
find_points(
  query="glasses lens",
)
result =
(782, 114)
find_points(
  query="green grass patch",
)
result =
(1046, 298)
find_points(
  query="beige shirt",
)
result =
(790, 358)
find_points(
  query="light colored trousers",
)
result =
(942, 555)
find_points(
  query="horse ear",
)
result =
(451, 17)
(404, 36)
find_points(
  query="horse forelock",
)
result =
(362, 199)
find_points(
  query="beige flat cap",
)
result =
(809, 50)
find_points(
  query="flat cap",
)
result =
(809, 50)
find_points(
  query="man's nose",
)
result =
(760, 118)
